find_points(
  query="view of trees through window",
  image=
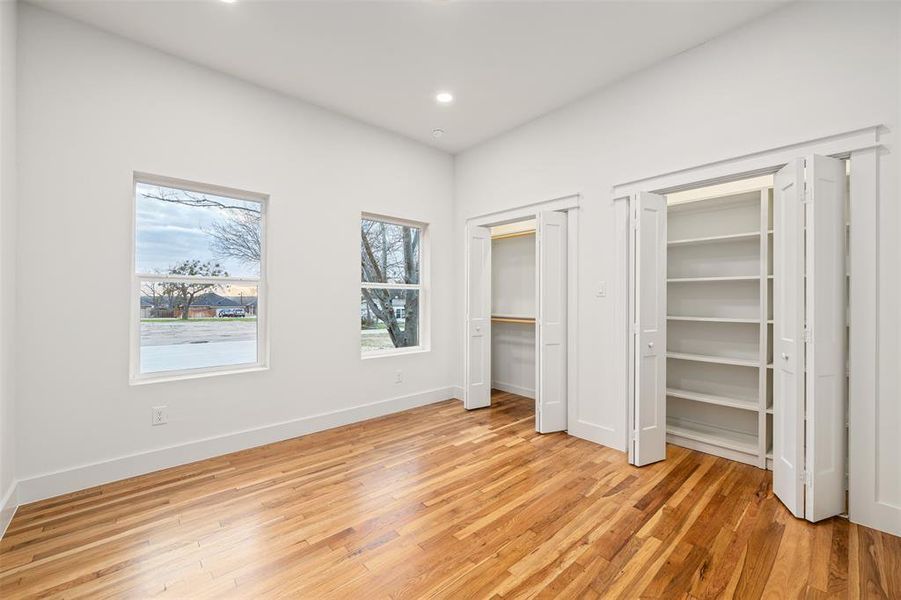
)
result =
(198, 264)
(391, 287)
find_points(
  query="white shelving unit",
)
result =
(719, 325)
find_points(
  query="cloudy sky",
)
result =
(169, 233)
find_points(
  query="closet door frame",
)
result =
(569, 204)
(863, 148)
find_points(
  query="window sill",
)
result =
(395, 352)
(182, 376)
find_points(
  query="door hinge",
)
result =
(805, 478)
(808, 335)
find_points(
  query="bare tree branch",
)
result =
(239, 236)
(191, 199)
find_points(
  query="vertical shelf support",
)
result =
(764, 327)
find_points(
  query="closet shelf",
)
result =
(721, 360)
(709, 434)
(505, 319)
(713, 399)
(712, 319)
(732, 237)
(713, 279)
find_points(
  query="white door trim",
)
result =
(499, 217)
(761, 162)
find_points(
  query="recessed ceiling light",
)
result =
(437, 133)
(229, 1)
(444, 97)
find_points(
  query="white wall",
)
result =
(807, 70)
(93, 109)
(7, 258)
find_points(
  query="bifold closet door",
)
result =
(477, 388)
(648, 302)
(809, 329)
(826, 348)
(788, 336)
(552, 288)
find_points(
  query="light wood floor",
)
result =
(440, 502)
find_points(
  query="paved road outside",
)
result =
(176, 331)
(175, 345)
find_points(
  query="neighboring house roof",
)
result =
(212, 299)
(244, 300)
(209, 299)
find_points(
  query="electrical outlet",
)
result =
(159, 415)
(399, 376)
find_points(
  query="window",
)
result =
(392, 294)
(198, 280)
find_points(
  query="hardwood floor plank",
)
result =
(439, 502)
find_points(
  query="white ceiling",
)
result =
(381, 62)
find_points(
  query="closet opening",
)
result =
(514, 304)
(739, 304)
(520, 338)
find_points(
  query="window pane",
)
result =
(388, 319)
(389, 253)
(189, 233)
(195, 326)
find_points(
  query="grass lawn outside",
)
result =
(375, 339)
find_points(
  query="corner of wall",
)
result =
(8, 217)
(9, 503)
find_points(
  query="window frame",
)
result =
(423, 286)
(136, 279)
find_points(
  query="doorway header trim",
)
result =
(568, 202)
(760, 162)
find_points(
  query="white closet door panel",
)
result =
(788, 333)
(826, 354)
(649, 348)
(477, 389)
(552, 288)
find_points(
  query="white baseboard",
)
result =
(48, 485)
(514, 389)
(8, 506)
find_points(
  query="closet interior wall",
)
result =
(513, 308)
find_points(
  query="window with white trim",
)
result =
(198, 279)
(392, 294)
